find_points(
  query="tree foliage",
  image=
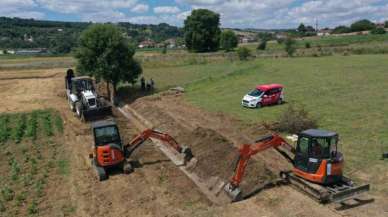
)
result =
(105, 54)
(302, 28)
(61, 37)
(290, 46)
(378, 31)
(229, 40)
(362, 25)
(266, 36)
(262, 45)
(202, 31)
(341, 30)
(243, 53)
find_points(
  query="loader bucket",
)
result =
(93, 114)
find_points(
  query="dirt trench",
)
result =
(216, 155)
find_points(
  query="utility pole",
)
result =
(316, 25)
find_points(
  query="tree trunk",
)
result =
(108, 90)
(113, 98)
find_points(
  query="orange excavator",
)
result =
(317, 166)
(109, 152)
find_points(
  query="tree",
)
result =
(262, 45)
(243, 53)
(386, 24)
(302, 29)
(341, 30)
(229, 40)
(362, 25)
(310, 29)
(202, 31)
(62, 44)
(104, 54)
(265, 36)
(378, 31)
(289, 46)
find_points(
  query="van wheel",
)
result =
(258, 105)
(280, 101)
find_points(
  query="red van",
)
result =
(263, 95)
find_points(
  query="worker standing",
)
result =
(152, 83)
(142, 83)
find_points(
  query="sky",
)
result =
(261, 14)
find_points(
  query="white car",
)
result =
(264, 95)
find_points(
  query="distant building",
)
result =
(28, 38)
(171, 43)
(281, 35)
(324, 32)
(30, 51)
(243, 39)
(380, 25)
(147, 44)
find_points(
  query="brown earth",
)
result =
(158, 188)
(216, 155)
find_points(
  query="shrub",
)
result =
(21, 198)
(378, 31)
(7, 193)
(19, 129)
(307, 45)
(33, 208)
(32, 125)
(228, 40)
(58, 123)
(46, 116)
(289, 46)
(243, 53)
(2, 206)
(280, 40)
(262, 45)
(15, 170)
(295, 120)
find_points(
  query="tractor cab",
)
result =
(108, 147)
(81, 84)
(317, 158)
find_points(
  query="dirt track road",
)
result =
(157, 188)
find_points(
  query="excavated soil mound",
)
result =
(216, 155)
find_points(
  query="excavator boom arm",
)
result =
(164, 137)
(247, 150)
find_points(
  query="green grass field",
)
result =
(328, 41)
(346, 94)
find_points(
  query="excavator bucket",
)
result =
(233, 193)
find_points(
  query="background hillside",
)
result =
(60, 37)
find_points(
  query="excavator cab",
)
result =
(107, 150)
(317, 158)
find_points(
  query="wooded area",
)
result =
(61, 37)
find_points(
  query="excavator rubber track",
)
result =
(338, 193)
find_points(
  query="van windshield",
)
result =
(255, 92)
